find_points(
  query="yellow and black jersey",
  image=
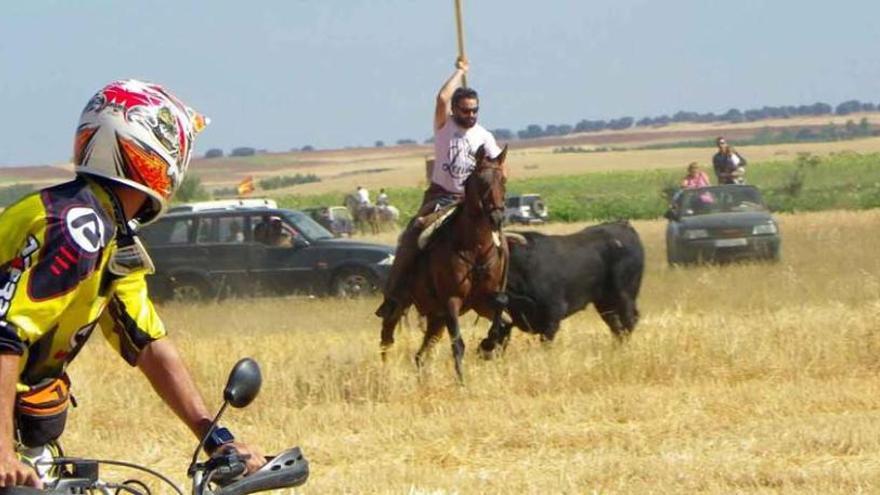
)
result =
(54, 286)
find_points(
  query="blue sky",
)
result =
(332, 73)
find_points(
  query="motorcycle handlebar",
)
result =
(286, 470)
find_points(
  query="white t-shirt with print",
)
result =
(454, 150)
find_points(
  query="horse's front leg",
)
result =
(453, 307)
(388, 326)
(432, 335)
(499, 334)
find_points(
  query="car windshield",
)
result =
(341, 213)
(308, 227)
(708, 200)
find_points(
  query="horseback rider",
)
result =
(457, 137)
(382, 200)
(363, 196)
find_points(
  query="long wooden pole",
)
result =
(460, 31)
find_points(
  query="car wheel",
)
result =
(189, 289)
(353, 282)
(539, 208)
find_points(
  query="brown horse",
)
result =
(465, 264)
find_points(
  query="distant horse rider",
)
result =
(728, 164)
(363, 196)
(457, 137)
(382, 199)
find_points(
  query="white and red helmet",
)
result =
(137, 134)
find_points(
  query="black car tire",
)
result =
(353, 282)
(190, 289)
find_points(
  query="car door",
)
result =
(673, 226)
(223, 241)
(170, 242)
(281, 266)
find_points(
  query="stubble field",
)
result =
(744, 378)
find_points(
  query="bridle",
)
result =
(485, 208)
(476, 268)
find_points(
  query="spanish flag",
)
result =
(246, 186)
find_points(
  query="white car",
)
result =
(225, 204)
(525, 209)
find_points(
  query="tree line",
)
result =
(732, 116)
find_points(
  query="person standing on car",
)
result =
(729, 165)
(457, 137)
(71, 260)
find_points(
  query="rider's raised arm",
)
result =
(444, 97)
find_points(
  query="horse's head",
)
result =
(485, 188)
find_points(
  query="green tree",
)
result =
(11, 194)
(191, 189)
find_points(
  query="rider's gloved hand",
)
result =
(254, 457)
(13, 472)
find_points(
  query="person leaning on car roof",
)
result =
(695, 177)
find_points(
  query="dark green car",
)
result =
(720, 223)
(210, 253)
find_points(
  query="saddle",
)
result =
(435, 222)
(440, 218)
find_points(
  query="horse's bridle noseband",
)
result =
(488, 211)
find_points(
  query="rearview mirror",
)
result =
(243, 384)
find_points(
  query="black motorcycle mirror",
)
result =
(242, 387)
(243, 384)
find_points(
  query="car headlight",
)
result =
(767, 228)
(696, 234)
(387, 261)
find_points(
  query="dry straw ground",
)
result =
(739, 379)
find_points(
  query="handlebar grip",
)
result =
(286, 470)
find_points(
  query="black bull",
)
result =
(551, 277)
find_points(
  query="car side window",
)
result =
(207, 231)
(260, 229)
(168, 232)
(511, 202)
(230, 229)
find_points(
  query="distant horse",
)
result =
(388, 215)
(363, 215)
(464, 265)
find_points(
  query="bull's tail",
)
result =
(626, 266)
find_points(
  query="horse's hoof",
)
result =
(487, 350)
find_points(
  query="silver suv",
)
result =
(525, 209)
